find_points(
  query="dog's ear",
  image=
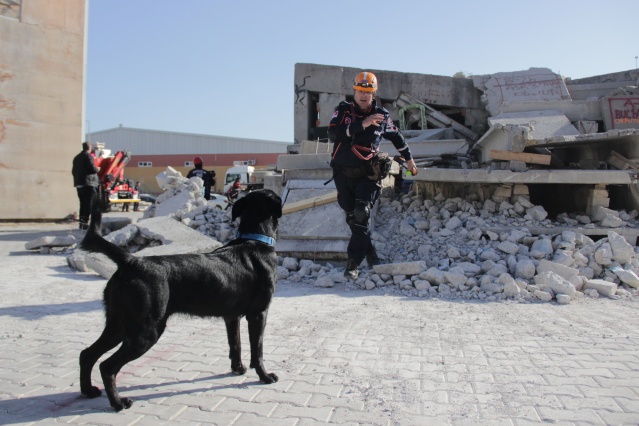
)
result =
(238, 207)
(276, 202)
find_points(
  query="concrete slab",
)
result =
(604, 177)
(176, 238)
(514, 131)
(429, 148)
(535, 84)
(574, 110)
(304, 161)
(315, 249)
(631, 235)
(543, 124)
(319, 222)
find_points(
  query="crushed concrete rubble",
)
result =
(437, 248)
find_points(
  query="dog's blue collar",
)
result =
(258, 237)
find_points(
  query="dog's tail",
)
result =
(93, 240)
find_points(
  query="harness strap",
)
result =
(357, 148)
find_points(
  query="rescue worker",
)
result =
(208, 177)
(86, 182)
(356, 130)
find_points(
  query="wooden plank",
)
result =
(526, 157)
(309, 202)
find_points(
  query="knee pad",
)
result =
(362, 213)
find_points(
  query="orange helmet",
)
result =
(365, 82)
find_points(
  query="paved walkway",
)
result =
(343, 357)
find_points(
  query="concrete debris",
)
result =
(182, 221)
(453, 254)
(456, 248)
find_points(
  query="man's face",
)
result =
(364, 99)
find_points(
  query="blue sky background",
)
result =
(226, 67)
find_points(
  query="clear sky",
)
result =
(226, 67)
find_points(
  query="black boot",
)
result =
(351, 271)
(371, 257)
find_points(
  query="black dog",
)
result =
(231, 282)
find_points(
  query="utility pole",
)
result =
(636, 61)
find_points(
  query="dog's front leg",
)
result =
(235, 345)
(256, 326)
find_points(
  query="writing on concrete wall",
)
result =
(531, 87)
(624, 112)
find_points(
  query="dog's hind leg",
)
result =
(235, 345)
(132, 348)
(110, 338)
(256, 326)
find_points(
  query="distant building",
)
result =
(152, 151)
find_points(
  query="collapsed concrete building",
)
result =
(568, 145)
(526, 192)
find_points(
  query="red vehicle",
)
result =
(111, 174)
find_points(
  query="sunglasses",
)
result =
(366, 84)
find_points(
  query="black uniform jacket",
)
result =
(353, 143)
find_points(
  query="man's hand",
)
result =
(373, 119)
(411, 166)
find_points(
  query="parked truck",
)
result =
(113, 185)
(250, 178)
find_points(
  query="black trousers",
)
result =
(85, 195)
(350, 192)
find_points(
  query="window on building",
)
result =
(10, 8)
(145, 164)
(188, 164)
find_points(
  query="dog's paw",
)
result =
(269, 378)
(124, 403)
(238, 369)
(91, 392)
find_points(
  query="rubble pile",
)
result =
(182, 200)
(437, 248)
(444, 247)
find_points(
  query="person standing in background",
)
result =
(136, 195)
(86, 182)
(208, 177)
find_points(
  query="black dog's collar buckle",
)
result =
(258, 237)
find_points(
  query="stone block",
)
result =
(520, 189)
(597, 202)
(405, 268)
(599, 213)
(604, 288)
(562, 270)
(586, 126)
(602, 193)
